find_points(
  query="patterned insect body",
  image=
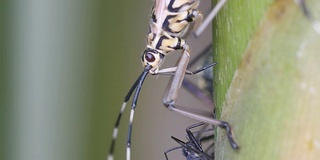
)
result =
(169, 22)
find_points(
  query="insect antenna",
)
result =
(137, 85)
(133, 106)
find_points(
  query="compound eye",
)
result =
(150, 57)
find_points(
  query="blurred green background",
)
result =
(65, 68)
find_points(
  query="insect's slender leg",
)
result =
(191, 87)
(198, 20)
(172, 93)
(191, 149)
(192, 137)
(172, 70)
(206, 51)
(209, 18)
(172, 149)
(201, 138)
(198, 140)
(188, 129)
(167, 71)
(195, 89)
(200, 69)
(212, 121)
(187, 84)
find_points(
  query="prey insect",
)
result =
(192, 149)
(170, 21)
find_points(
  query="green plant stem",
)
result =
(267, 80)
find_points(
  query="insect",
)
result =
(170, 21)
(192, 149)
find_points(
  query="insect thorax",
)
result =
(169, 22)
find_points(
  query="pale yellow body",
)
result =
(170, 21)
